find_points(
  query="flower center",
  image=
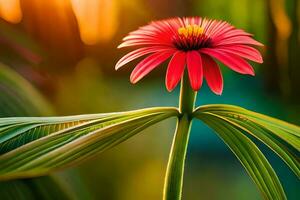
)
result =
(190, 31)
(191, 37)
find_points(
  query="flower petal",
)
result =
(195, 71)
(237, 40)
(138, 53)
(219, 36)
(148, 64)
(212, 74)
(129, 43)
(244, 51)
(175, 70)
(232, 61)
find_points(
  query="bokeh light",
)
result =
(10, 10)
(97, 19)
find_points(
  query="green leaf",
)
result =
(46, 188)
(288, 132)
(18, 97)
(33, 146)
(249, 155)
(281, 137)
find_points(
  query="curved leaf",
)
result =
(288, 132)
(14, 91)
(18, 97)
(249, 155)
(35, 146)
(284, 140)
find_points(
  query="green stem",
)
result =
(187, 97)
(175, 169)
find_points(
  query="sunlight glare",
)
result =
(10, 10)
(97, 19)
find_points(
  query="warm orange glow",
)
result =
(97, 19)
(10, 10)
(281, 19)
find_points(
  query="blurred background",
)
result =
(57, 58)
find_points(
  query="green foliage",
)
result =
(231, 122)
(47, 187)
(15, 100)
(18, 97)
(35, 146)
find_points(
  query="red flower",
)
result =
(193, 42)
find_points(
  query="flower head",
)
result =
(193, 43)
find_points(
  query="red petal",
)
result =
(218, 28)
(212, 74)
(230, 34)
(136, 54)
(232, 61)
(148, 64)
(129, 43)
(237, 40)
(244, 51)
(194, 65)
(175, 70)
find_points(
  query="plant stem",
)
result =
(187, 97)
(175, 169)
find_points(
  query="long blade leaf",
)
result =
(36, 146)
(249, 155)
(288, 132)
(283, 139)
(18, 97)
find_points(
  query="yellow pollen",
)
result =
(190, 30)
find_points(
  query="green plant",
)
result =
(35, 146)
